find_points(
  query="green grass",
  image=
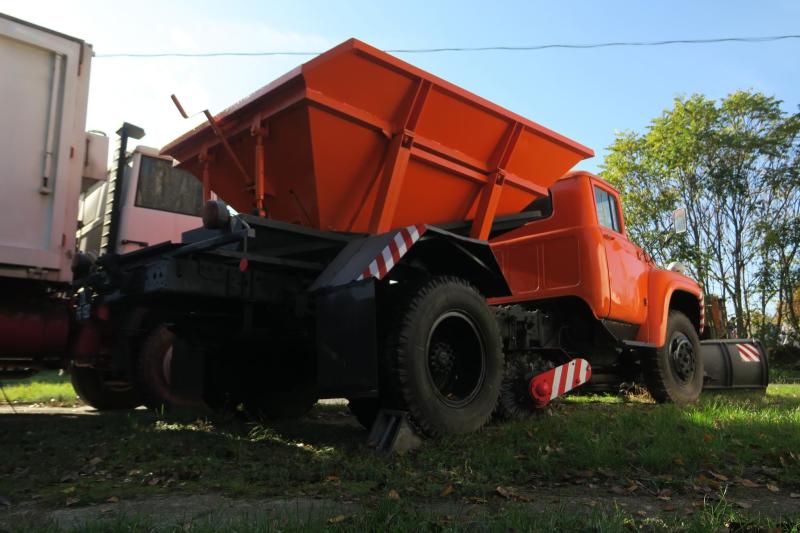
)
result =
(47, 387)
(606, 442)
(784, 375)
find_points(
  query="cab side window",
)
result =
(607, 213)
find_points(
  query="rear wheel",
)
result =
(100, 391)
(153, 373)
(674, 372)
(445, 354)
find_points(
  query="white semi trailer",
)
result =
(61, 208)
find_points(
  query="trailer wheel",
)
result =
(153, 370)
(445, 353)
(102, 393)
(674, 372)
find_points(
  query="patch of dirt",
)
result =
(182, 510)
(178, 510)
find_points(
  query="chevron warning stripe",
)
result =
(402, 242)
(748, 353)
(560, 380)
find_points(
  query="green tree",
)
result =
(733, 165)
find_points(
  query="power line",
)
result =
(584, 46)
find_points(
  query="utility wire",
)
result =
(584, 46)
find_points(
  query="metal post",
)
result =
(127, 130)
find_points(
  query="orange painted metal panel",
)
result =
(357, 140)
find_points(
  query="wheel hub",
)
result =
(456, 359)
(442, 363)
(682, 357)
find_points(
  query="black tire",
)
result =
(152, 373)
(445, 353)
(674, 372)
(102, 393)
(365, 410)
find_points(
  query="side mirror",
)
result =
(679, 220)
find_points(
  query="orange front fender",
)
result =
(662, 286)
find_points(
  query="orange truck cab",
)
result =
(575, 259)
(579, 249)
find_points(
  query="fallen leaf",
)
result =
(504, 492)
(94, 461)
(72, 501)
(773, 488)
(719, 477)
(394, 495)
(113, 499)
(606, 472)
(749, 483)
(68, 490)
(616, 489)
(154, 481)
(679, 461)
(448, 490)
(794, 494)
(744, 505)
(338, 519)
(668, 508)
(707, 438)
(332, 479)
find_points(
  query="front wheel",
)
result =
(674, 372)
(446, 357)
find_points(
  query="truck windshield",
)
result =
(163, 187)
(607, 214)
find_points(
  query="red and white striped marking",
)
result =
(702, 312)
(402, 242)
(748, 353)
(557, 381)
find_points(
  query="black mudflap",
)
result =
(734, 364)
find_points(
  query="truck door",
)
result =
(627, 269)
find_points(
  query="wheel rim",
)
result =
(682, 357)
(456, 359)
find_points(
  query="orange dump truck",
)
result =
(400, 242)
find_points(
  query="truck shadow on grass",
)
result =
(745, 444)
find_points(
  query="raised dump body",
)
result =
(357, 140)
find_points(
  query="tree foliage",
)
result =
(734, 164)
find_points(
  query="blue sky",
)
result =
(584, 94)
